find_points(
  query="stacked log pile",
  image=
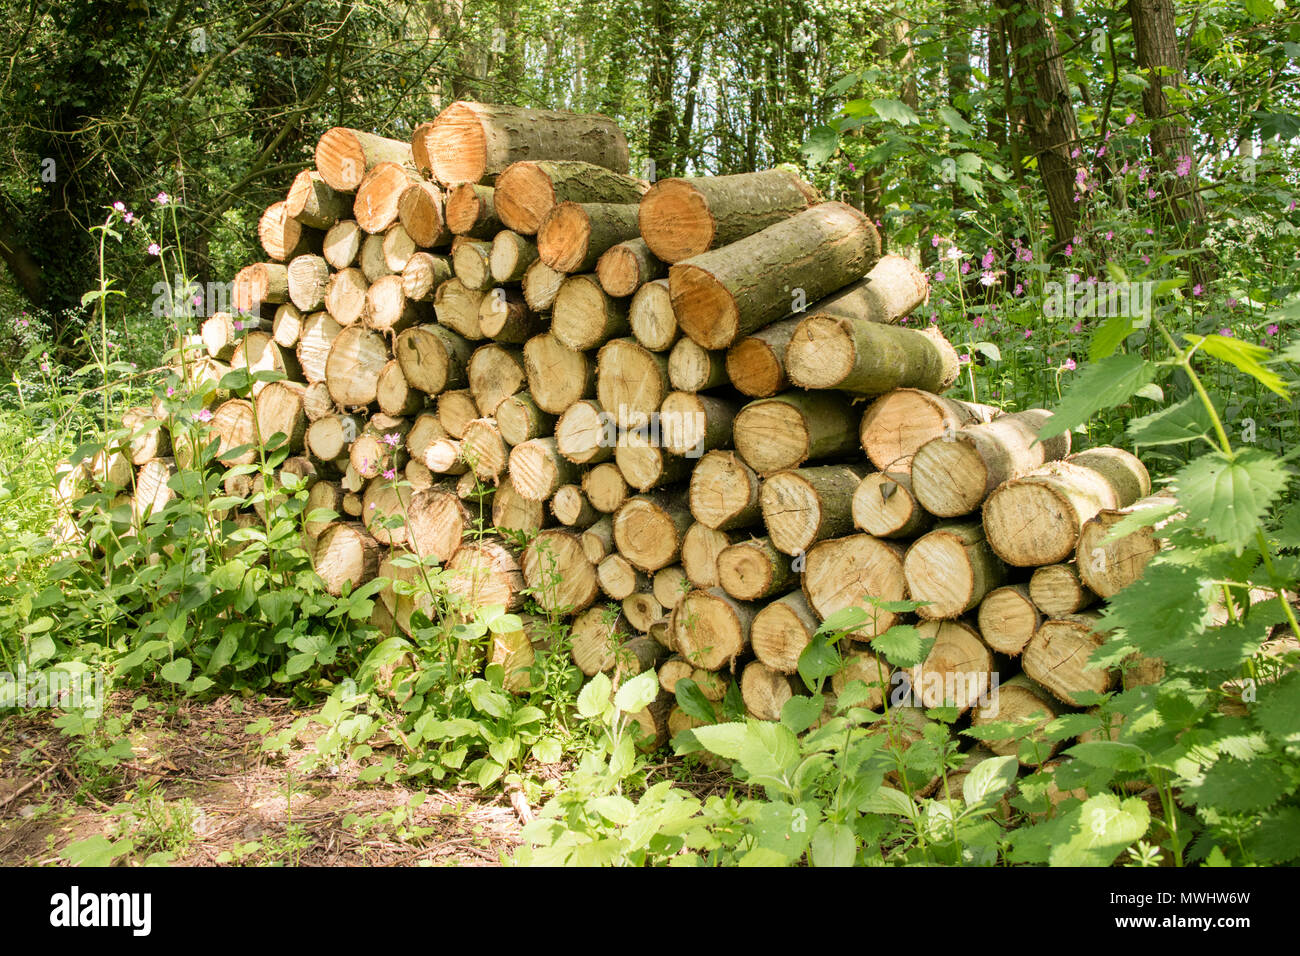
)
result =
(699, 403)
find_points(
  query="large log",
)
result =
(470, 211)
(558, 572)
(1008, 618)
(1058, 655)
(344, 156)
(891, 290)
(952, 568)
(574, 236)
(433, 359)
(773, 434)
(755, 364)
(883, 505)
(753, 569)
(313, 202)
(957, 672)
(868, 358)
(631, 381)
(720, 295)
(953, 474)
(422, 214)
(355, 361)
(782, 630)
(527, 191)
(470, 141)
(583, 316)
(711, 629)
(379, 195)
(803, 506)
(894, 426)
(284, 237)
(625, 267)
(1107, 565)
(843, 572)
(724, 492)
(648, 530)
(681, 218)
(1036, 519)
(651, 317)
(557, 375)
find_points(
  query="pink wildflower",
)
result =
(1271, 330)
(1184, 165)
(204, 415)
(154, 249)
(1197, 289)
(1069, 365)
(988, 260)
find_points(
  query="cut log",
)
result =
(389, 310)
(873, 672)
(511, 256)
(398, 248)
(421, 211)
(645, 464)
(457, 307)
(724, 492)
(344, 156)
(670, 584)
(469, 141)
(342, 244)
(504, 317)
(844, 572)
(618, 578)
(782, 630)
(284, 237)
(381, 502)
(806, 505)
(537, 469)
(773, 434)
(953, 474)
(631, 381)
(394, 394)
(752, 569)
(690, 424)
(755, 364)
(681, 218)
(345, 297)
(765, 691)
(1107, 566)
(436, 522)
(867, 358)
(516, 651)
(346, 555)
(355, 361)
(433, 359)
(379, 195)
(1058, 591)
(485, 450)
(597, 634)
(324, 497)
(720, 295)
(605, 487)
(883, 505)
(379, 447)
(371, 260)
(486, 572)
(258, 352)
(598, 540)
(1035, 519)
(528, 191)
(221, 332)
(648, 530)
(308, 278)
(418, 475)
(584, 317)
(313, 202)
(445, 456)
(701, 546)
(1057, 658)
(456, 409)
(557, 375)
(511, 511)
(626, 266)
(286, 327)
(672, 671)
(471, 262)
(541, 284)
(260, 285)
(572, 509)
(520, 419)
(472, 212)
(1008, 619)
(328, 438)
(891, 290)
(651, 318)
(495, 373)
(1016, 701)
(693, 369)
(562, 580)
(423, 274)
(710, 629)
(425, 430)
(574, 236)
(279, 411)
(958, 672)
(585, 434)
(951, 567)
(894, 426)
(149, 438)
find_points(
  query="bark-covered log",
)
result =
(520, 419)
(894, 426)
(486, 572)
(952, 568)
(584, 317)
(806, 505)
(355, 361)
(651, 317)
(344, 156)
(259, 285)
(511, 256)
(883, 505)
(423, 274)
(618, 578)
(598, 540)
(470, 212)
(485, 450)
(572, 509)
(773, 434)
(680, 218)
(457, 307)
(495, 373)
(957, 672)
(646, 464)
(891, 290)
(504, 317)
(1016, 701)
(313, 202)
(1008, 618)
(843, 572)
(319, 330)
(691, 424)
(394, 393)
(953, 474)
(422, 213)
(379, 195)
(456, 409)
(574, 236)
(284, 237)
(470, 261)
(765, 691)
(1107, 565)
(755, 364)
(527, 190)
(470, 141)
(345, 297)
(371, 260)
(648, 530)
(1058, 655)
(511, 511)
(537, 469)
(389, 310)
(625, 267)
(694, 369)
(557, 375)
(720, 295)
(279, 411)
(346, 555)
(724, 492)
(437, 520)
(605, 487)
(584, 434)
(631, 381)
(328, 438)
(541, 284)
(342, 244)
(868, 358)
(711, 629)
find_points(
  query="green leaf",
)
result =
(96, 851)
(902, 645)
(638, 693)
(1108, 754)
(1229, 497)
(821, 145)
(594, 697)
(895, 111)
(1109, 335)
(819, 660)
(693, 702)
(1099, 385)
(955, 121)
(1278, 710)
(1185, 421)
(177, 671)
(1106, 826)
(725, 740)
(1245, 356)
(799, 712)
(1241, 786)
(989, 779)
(833, 844)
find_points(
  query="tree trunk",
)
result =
(773, 434)
(344, 156)
(806, 505)
(574, 236)
(868, 358)
(527, 191)
(894, 426)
